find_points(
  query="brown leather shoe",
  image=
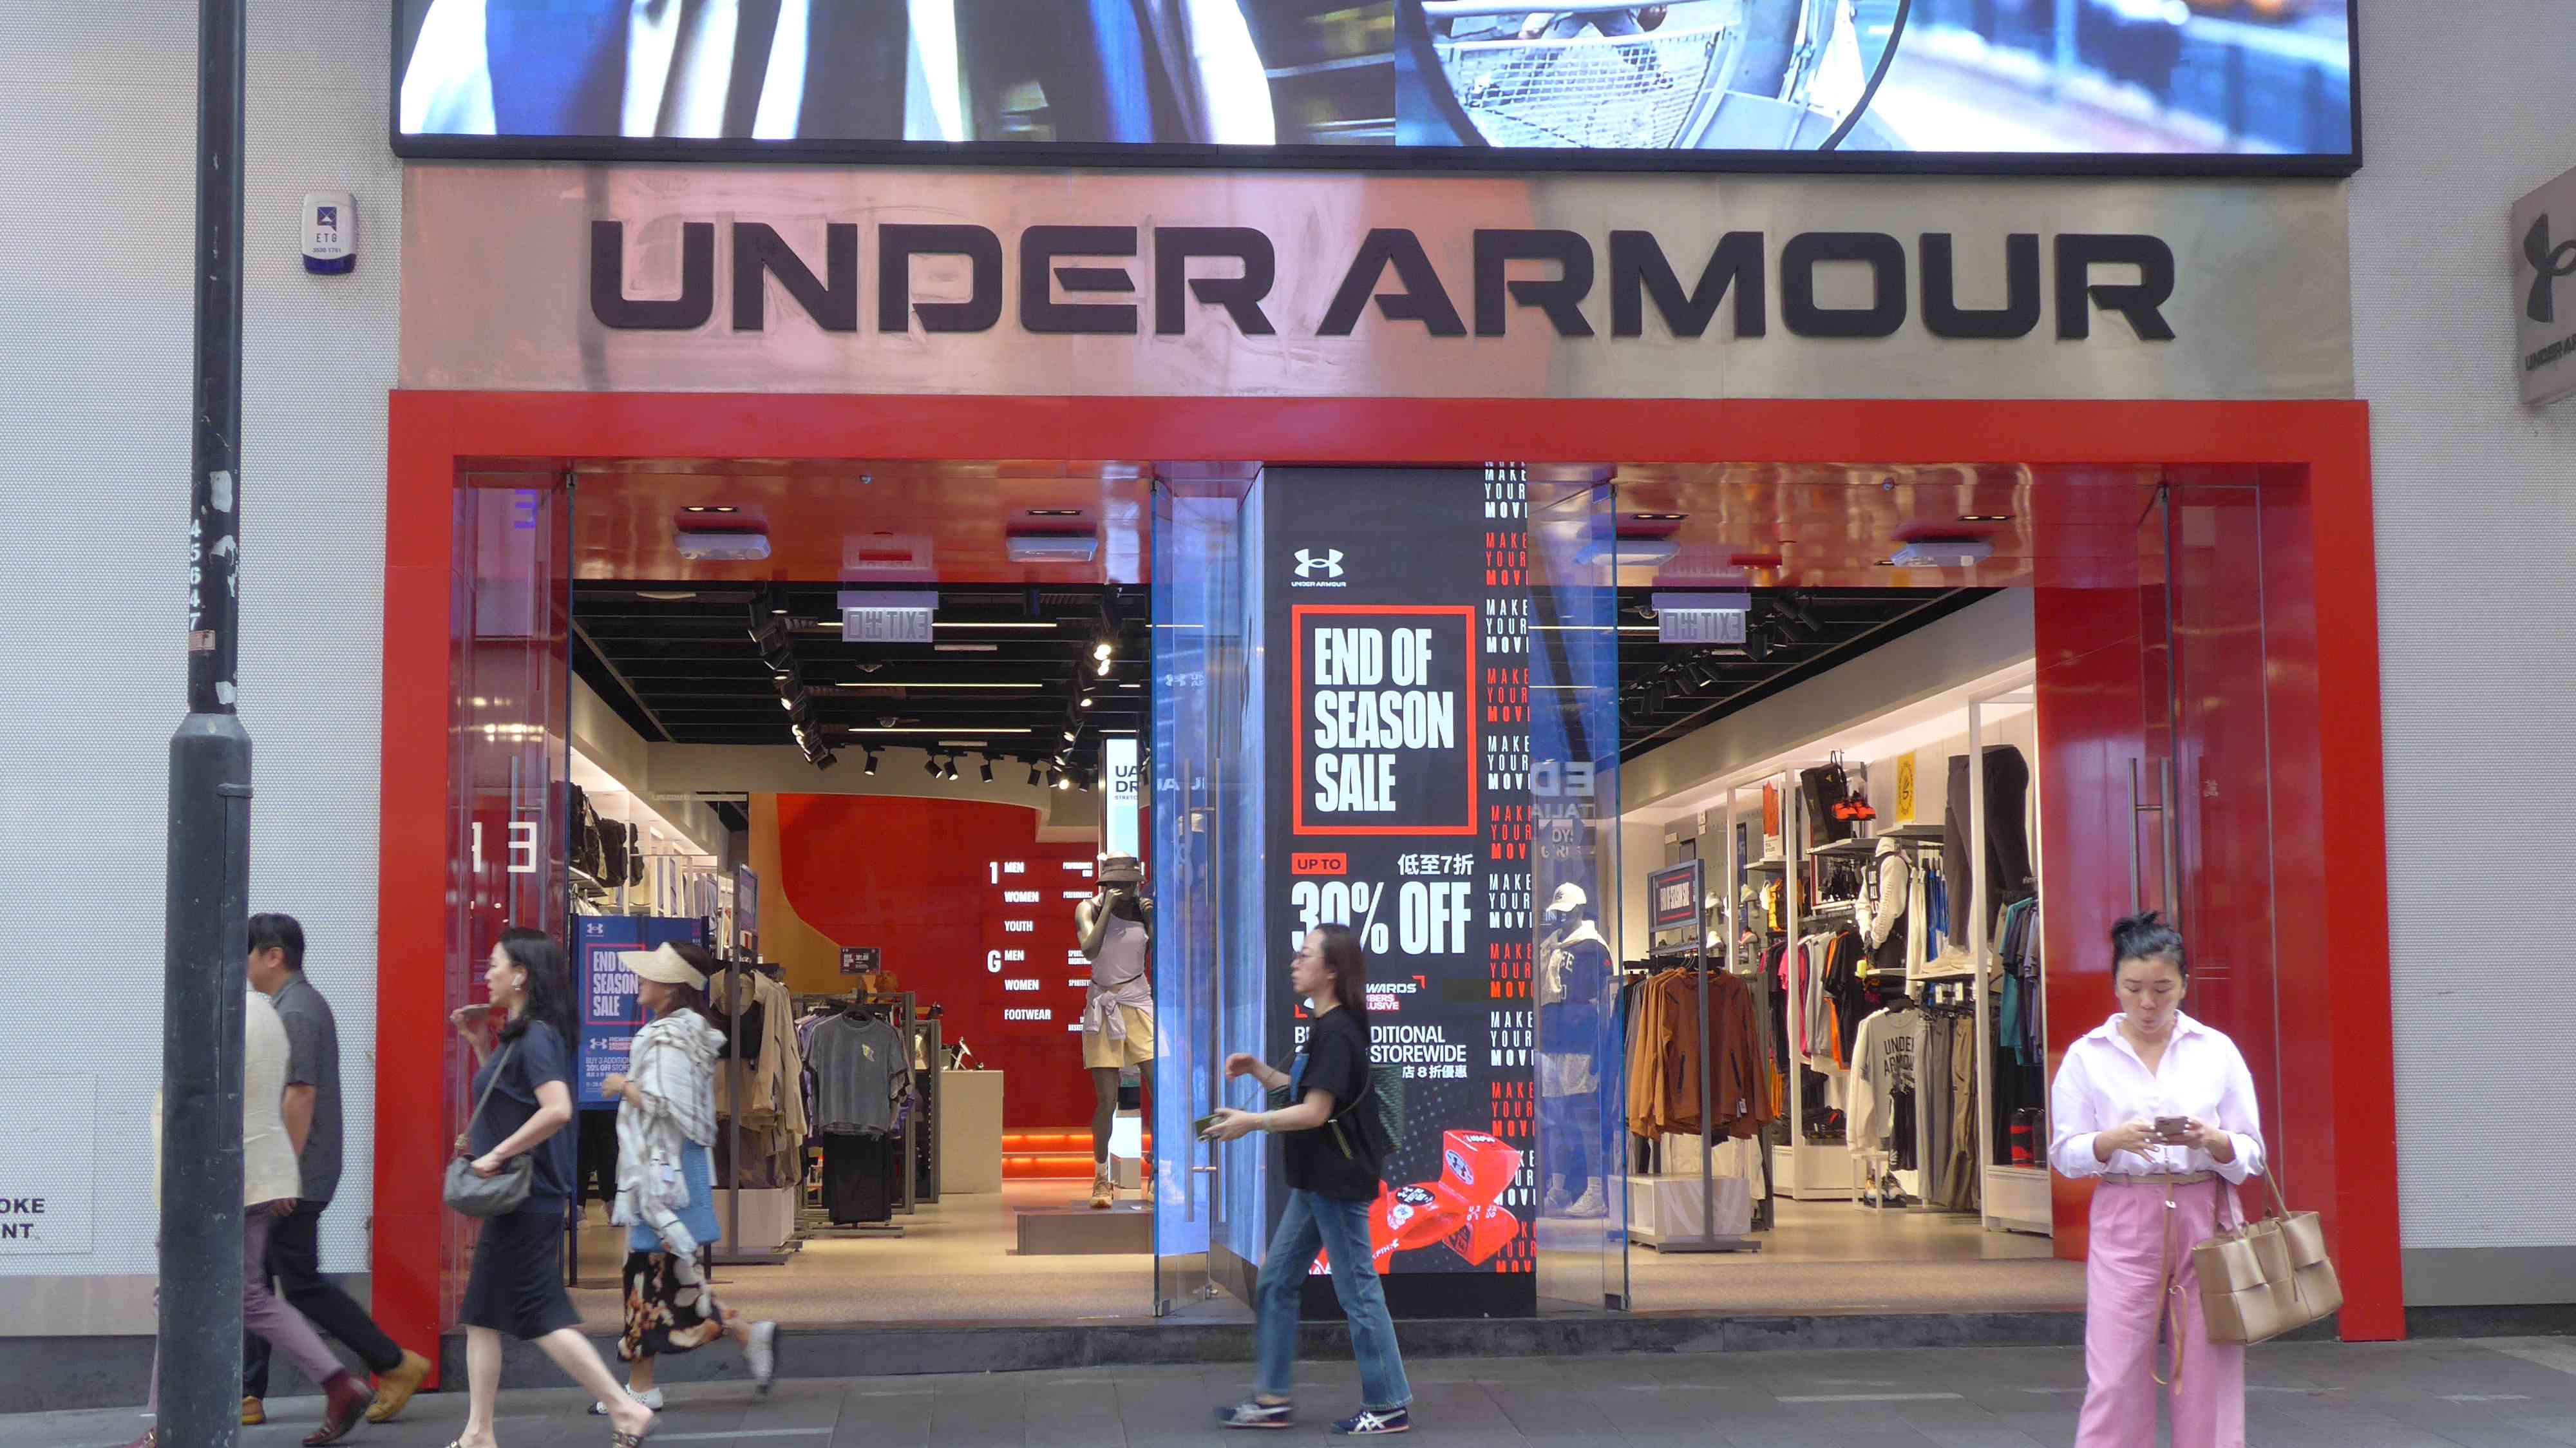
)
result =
(394, 1388)
(344, 1406)
(254, 1412)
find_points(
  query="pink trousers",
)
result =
(2124, 1312)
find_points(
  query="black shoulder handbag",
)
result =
(494, 1196)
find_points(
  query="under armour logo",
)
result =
(2551, 265)
(1329, 563)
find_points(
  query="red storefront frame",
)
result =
(2344, 1159)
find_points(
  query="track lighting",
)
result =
(1103, 649)
(1064, 781)
(1793, 613)
(1102, 670)
(825, 760)
(951, 771)
(1070, 736)
(930, 767)
(1035, 776)
(1085, 784)
(1757, 644)
(872, 762)
(988, 771)
(1086, 701)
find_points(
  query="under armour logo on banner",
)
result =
(1329, 563)
(2551, 265)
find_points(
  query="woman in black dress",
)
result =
(517, 1282)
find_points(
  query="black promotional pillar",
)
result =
(1395, 620)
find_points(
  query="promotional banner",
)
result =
(1400, 807)
(610, 1013)
(1824, 84)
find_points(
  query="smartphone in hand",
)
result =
(2173, 1128)
(1199, 1128)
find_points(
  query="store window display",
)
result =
(1577, 996)
(1117, 933)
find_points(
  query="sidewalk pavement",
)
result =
(2493, 1393)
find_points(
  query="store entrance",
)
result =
(2121, 658)
(867, 733)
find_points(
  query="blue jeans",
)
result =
(1340, 1228)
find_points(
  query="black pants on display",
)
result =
(295, 1265)
(861, 1177)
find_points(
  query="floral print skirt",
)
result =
(665, 1315)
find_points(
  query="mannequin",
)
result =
(1116, 928)
(1889, 896)
(1574, 979)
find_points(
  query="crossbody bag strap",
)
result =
(489, 1086)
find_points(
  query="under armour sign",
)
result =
(2544, 291)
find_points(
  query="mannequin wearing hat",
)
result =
(1117, 932)
(1574, 979)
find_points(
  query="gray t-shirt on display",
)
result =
(313, 1059)
(860, 1069)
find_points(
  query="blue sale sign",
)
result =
(610, 1012)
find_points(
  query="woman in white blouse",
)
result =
(2158, 1109)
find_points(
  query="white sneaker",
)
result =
(1591, 1204)
(762, 1353)
(650, 1397)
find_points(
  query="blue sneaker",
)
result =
(1253, 1413)
(1394, 1420)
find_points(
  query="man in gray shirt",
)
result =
(313, 1129)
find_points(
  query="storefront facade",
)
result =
(1389, 324)
(2443, 482)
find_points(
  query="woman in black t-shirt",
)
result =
(517, 1281)
(1334, 1157)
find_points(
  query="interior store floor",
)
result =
(1837, 1257)
(956, 1263)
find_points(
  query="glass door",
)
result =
(1205, 818)
(1573, 657)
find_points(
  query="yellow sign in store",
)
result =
(1905, 790)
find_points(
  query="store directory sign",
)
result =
(2142, 85)
(610, 1012)
(1395, 614)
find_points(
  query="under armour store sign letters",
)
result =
(975, 282)
(2544, 291)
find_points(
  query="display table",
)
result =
(1669, 1206)
(970, 1131)
(768, 1217)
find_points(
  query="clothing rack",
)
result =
(731, 1252)
(1707, 1240)
(902, 1012)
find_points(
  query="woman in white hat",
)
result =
(666, 1123)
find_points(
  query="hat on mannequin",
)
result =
(1569, 898)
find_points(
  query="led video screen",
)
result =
(2117, 86)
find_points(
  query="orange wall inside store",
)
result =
(915, 878)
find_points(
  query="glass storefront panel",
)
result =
(1206, 814)
(1573, 645)
(508, 755)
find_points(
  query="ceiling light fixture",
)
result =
(951, 771)
(1985, 517)
(1064, 781)
(872, 762)
(930, 767)
(1103, 670)
(1055, 512)
(987, 771)
(1035, 776)
(711, 508)
(1086, 701)
(1070, 736)
(1659, 517)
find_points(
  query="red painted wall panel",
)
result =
(916, 879)
(2089, 730)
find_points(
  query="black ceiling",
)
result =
(1005, 676)
(1668, 690)
(681, 665)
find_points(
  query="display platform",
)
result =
(1077, 1229)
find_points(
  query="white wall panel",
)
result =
(2477, 569)
(99, 116)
